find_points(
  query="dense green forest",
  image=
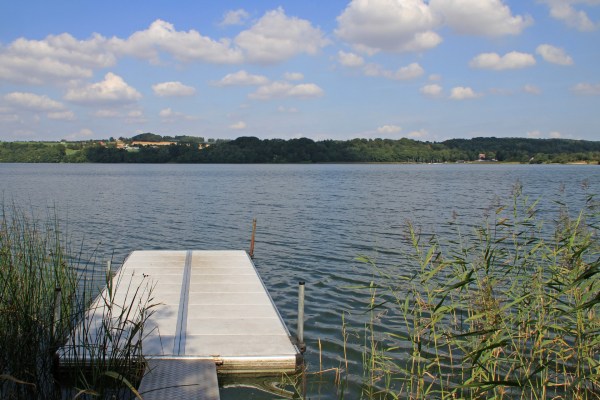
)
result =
(187, 149)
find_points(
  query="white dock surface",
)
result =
(213, 305)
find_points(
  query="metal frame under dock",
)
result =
(213, 306)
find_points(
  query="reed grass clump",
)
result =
(513, 312)
(45, 294)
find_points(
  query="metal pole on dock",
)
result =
(300, 329)
(252, 239)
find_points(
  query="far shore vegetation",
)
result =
(153, 148)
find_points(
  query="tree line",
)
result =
(254, 150)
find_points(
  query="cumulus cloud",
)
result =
(240, 125)
(463, 93)
(512, 60)
(534, 134)
(162, 36)
(173, 89)
(563, 10)
(555, 135)
(350, 59)
(585, 88)
(286, 89)
(389, 129)
(168, 115)
(61, 115)
(532, 89)
(57, 58)
(234, 17)
(421, 133)
(434, 90)
(242, 78)
(480, 17)
(293, 76)
(33, 102)
(408, 72)
(112, 90)
(276, 37)
(388, 25)
(84, 133)
(554, 55)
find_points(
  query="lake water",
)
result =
(313, 220)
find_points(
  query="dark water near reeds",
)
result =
(313, 220)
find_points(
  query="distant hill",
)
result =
(248, 149)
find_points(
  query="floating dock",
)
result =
(212, 307)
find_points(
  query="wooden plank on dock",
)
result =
(183, 379)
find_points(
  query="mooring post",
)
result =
(108, 267)
(252, 238)
(300, 328)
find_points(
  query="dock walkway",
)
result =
(213, 306)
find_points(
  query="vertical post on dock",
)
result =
(252, 238)
(300, 328)
(108, 267)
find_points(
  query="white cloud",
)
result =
(480, 17)
(234, 17)
(84, 133)
(433, 90)
(168, 115)
(33, 102)
(276, 37)
(554, 55)
(463, 93)
(512, 60)
(286, 89)
(173, 89)
(242, 78)
(240, 125)
(350, 59)
(290, 110)
(162, 36)
(585, 88)
(112, 90)
(532, 89)
(555, 135)
(563, 10)
(389, 129)
(421, 133)
(104, 113)
(388, 25)
(61, 115)
(293, 76)
(534, 134)
(55, 59)
(411, 71)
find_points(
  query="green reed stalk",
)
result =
(512, 313)
(35, 260)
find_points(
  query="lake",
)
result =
(313, 221)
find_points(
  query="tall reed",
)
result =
(512, 313)
(38, 322)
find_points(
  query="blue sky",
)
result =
(426, 70)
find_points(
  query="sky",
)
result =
(428, 70)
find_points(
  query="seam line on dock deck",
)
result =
(180, 332)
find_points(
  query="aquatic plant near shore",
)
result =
(35, 260)
(513, 313)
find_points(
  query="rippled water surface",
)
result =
(313, 220)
